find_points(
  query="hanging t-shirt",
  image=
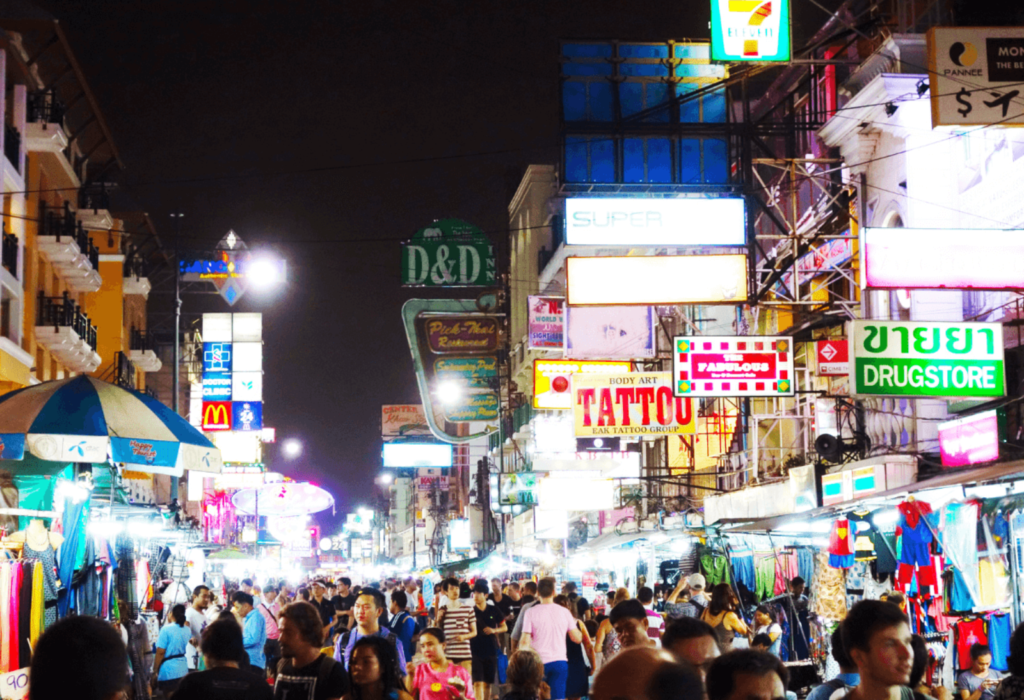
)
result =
(917, 537)
(863, 535)
(840, 541)
(999, 639)
(968, 633)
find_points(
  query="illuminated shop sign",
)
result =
(975, 75)
(971, 440)
(640, 403)
(622, 221)
(660, 279)
(546, 323)
(833, 358)
(216, 415)
(426, 455)
(750, 30)
(552, 379)
(733, 366)
(904, 258)
(917, 358)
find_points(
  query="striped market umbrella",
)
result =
(84, 419)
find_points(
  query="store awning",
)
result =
(963, 477)
(611, 539)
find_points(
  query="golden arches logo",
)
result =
(216, 416)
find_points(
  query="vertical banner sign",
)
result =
(750, 30)
(546, 321)
(460, 349)
(629, 404)
(919, 358)
(970, 440)
(746, 365)
(833, 358)
(449, 253)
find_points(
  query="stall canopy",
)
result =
(87, 420)
(965, 477)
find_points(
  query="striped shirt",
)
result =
(458, 620)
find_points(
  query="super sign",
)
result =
(733, 366)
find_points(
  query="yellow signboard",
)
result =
(552, 378)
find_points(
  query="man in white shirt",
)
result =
(195, 617)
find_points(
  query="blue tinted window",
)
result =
(714, 106)
(716, 161)
(659, 160)
(689, 161)
(633, 160)
(574, 101)
(602, 160)
(601, 106)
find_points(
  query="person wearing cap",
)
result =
(697, 583)
(681, 602)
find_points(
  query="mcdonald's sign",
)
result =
(216, 415)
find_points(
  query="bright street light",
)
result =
(264, 272)
(384, 479)
(292, 448)
(449, 393)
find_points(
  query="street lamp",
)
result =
(385, 479)
(449, 392)
(292, 448)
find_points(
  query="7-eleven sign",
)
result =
(733, 366)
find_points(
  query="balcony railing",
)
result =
(67, 225)
(94, 197)
(44, 106)
(12, 146)
(9, 252)
(63, 312)
(141, 341)
(136, 267)
(121, 372)
(142, 351)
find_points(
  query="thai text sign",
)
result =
(635, 221)
(906, 258)
(750, 30)
(919, 358)
(552, 379)
(970, 440)
(546, 321)
(975, 75)
(449, 253)
(455, 335)
(657, 279)
(742, 365)
(629, 404)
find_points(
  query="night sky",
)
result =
(299, 124)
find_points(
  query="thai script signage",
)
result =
(635, 221)
(449, 253)
(975, 75)
(750, 30)
(640, 403)
(919, 358)
(546, 321)
(746, 365)
(971, 440)
(906, 258)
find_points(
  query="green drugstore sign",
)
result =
(919, 358)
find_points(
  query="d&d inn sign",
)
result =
(920, 358)
(449, 253)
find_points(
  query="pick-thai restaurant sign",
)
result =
(552, 379)
(454, 335)
(907, 258)
(733, 366)
(640, 403)
(546, 321)
(918, 358)
(975, 75)
(970, 440)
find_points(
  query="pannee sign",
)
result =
(640, 403)
(746, 365)
(920, 358)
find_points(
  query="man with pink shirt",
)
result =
(270, 609)
(544, 628)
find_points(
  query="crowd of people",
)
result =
(484, 639)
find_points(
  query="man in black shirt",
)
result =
(490, 622)
(323, 606)
(222, 647)
(343, 603)
(305, 673)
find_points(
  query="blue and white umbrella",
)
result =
(84, 419)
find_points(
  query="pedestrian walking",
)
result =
(544, 629)
(305, 673)
(580, 655)
(254, 630)
(455, 616)
(372, 672)
(79, 657)
(222, 648)
(437, 677)
(490, 623)
(169, 665)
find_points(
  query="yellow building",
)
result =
(73, 284)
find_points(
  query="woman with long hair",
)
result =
(721, 615)
(525, 676)
(373, 671)
(607, 640)
(437, 678)
(169, 665)
(577, 683)
(764, 623)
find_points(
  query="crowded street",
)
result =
(532, 350)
